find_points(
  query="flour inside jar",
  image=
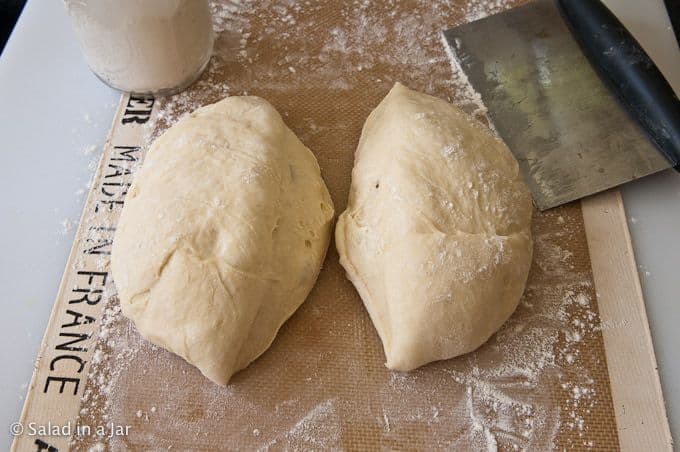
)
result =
(144, 47)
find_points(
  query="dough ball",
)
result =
(222, 235)
(436, 236)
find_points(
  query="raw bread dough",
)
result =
(436, 236)
(222, 235)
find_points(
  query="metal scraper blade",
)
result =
(569, 134)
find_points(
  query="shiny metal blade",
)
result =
(569, 134)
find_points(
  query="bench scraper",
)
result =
(579, 103)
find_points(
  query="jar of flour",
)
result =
(144, 46)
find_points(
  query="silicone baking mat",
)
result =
(540, 383)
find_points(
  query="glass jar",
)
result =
(144, 46)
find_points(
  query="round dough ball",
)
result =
(222, 235)
(436, 236)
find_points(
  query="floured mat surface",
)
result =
(540, 383)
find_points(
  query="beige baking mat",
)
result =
(541, 383)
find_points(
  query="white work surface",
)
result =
(54, 118)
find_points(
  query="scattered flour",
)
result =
(89, 150)
(98, 447)
(67, 226)
(387, 423)
(318, 429)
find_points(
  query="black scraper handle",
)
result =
(628, 71)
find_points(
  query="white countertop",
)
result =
(54, 118)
